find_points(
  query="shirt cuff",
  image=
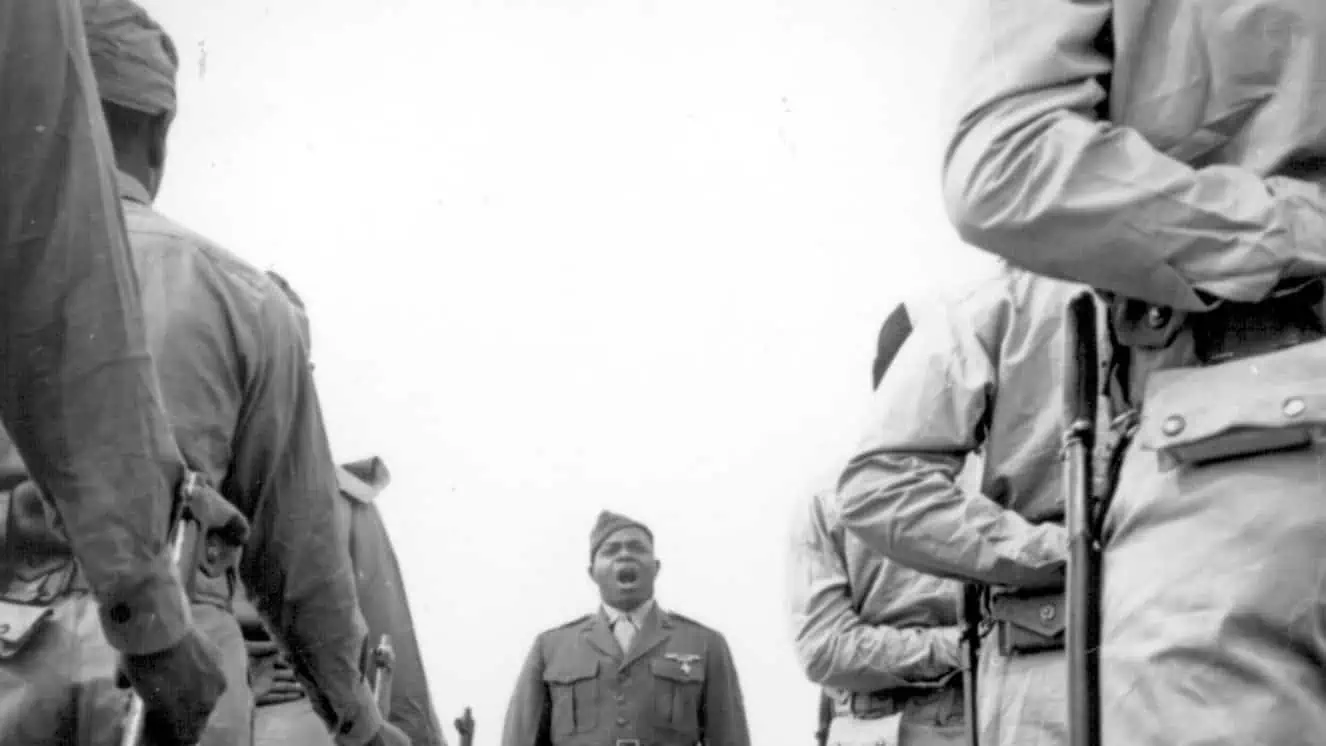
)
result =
(149, 618)
(364, 724)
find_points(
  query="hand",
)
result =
(390, 735)
(180, 687)
(272, 678)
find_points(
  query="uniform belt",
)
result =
(886, 702)
(1288, 318)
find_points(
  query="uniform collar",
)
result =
(132, 189)
(637, 617)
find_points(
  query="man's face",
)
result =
(624, 568)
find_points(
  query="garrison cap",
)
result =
(895, 330)
(609, 523)
(133, 57)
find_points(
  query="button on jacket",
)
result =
(677, 686)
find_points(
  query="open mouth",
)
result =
(628, 575)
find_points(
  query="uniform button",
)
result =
(1294, 406)
(621, 722)
(1047, 612)
(1157, 317)
(1173, 425)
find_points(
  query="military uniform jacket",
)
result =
(677, 686)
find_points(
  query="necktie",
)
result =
(624, 630)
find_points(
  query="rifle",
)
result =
(1082, 630)
(465, 727)
(969, 612)
(826, 718)
(183, 558)
(384, 661)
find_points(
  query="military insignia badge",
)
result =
(684, 660)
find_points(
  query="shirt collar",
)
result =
(637, 617)
(132, 189)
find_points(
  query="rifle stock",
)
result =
(1082, 633)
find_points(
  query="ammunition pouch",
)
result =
(37, 566)
(1027, 621)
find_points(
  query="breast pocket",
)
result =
(678, 687)
(573, 688)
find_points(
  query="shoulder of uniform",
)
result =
(568, 625)
(688, 621)
(155, 231)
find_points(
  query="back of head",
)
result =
(135, 63)
(133, 58)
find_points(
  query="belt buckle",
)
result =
(628, 742)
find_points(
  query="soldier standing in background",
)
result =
(982, 370)
(881, 638)
(631, 673)
(283, 714)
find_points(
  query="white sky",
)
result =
(562, 255)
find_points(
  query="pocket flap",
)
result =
(18, 623)
(572, 671)
(1044, 615)
(1255, 404)
(683, 668)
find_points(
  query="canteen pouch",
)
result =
(1027, 622)
(19, 624)
(1237, 409)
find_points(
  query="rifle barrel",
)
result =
(1082, 633)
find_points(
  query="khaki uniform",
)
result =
(80, 395)
(1180, 165)
(676, 687)
(981, 372)
(283, 714)
(880, 637)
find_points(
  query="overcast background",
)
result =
(562, 255)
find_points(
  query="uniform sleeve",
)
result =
(529, 713)
(297, 563)
(899, 493)
(723, 717)
(835, 646)
(1033, 175)
(80, 395)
